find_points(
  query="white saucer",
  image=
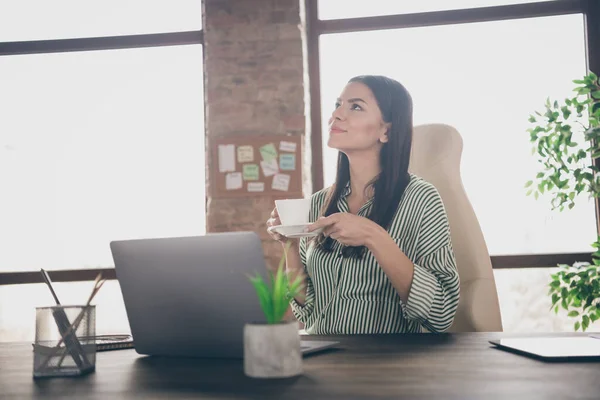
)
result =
(294, 231)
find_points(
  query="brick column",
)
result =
(253, 85)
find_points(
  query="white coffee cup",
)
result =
(293, 211)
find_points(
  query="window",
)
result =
(98, 146)
(100, 140)
(64, 19)
(484, 79)
(334, 9)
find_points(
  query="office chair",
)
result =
(435, 157)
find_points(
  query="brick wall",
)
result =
(253, 85)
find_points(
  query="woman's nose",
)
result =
(337, 114)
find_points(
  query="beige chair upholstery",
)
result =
(436, 155)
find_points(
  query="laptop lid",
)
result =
(190, 296)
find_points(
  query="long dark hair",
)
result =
(395, 104)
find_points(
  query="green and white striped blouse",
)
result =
(346, 295)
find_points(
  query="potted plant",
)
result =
(272, 349)
(564, 137)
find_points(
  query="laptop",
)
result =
(553, 348)
(191, 296)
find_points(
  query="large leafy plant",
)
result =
(566, 141)
(274, 295)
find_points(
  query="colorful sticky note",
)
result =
(226, 157)
(287, 146)
(281, 182)
(269, 168)
(256, 187)
(233, 181)
(287, 162)
(250, 172)
(268, 152)
(245, 154)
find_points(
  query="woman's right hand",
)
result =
(274, 221)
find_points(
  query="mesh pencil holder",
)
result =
(64, 341)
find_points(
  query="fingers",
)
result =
(275, 221)
(330, 230)
(323, 222)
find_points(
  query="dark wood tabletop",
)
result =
(418, 366)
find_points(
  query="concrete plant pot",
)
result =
(272, 350)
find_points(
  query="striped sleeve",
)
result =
(434, 293)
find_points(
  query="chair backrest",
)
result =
(436, 155)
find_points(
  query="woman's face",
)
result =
(356, 123)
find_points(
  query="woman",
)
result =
(384, 262)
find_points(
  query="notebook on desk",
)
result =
(191, 296)
(113, 342)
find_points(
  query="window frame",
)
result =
(78, 45)
(316, 27)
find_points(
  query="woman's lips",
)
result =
(333, 129)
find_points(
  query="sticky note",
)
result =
(245, 154)
(256, 187)
(268, 152)
(281, 182)
(250, 172)
(287, 162)
(269, 168)
(233, 181)
(287, 146)
(226, 157)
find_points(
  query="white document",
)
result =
(281, 182)
(233, 181)
(270, 168)
(256, 187)
(287, 146)
(226, 157)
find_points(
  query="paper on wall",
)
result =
(245, 154)
(269, 168)
(250, 172)
(287, 146)
(281, 182)
(256, 187)
(233, 181)
(268, 152)
(287, 162)
(226, 157)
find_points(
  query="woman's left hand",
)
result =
(348, 229)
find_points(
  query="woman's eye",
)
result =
(337, 105)
(355, 107)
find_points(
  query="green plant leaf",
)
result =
(264, 297)
(529, 183)
(585, 322)
(577, 325)
(555, 299)
(573, 313)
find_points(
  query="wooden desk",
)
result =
(449, 366)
